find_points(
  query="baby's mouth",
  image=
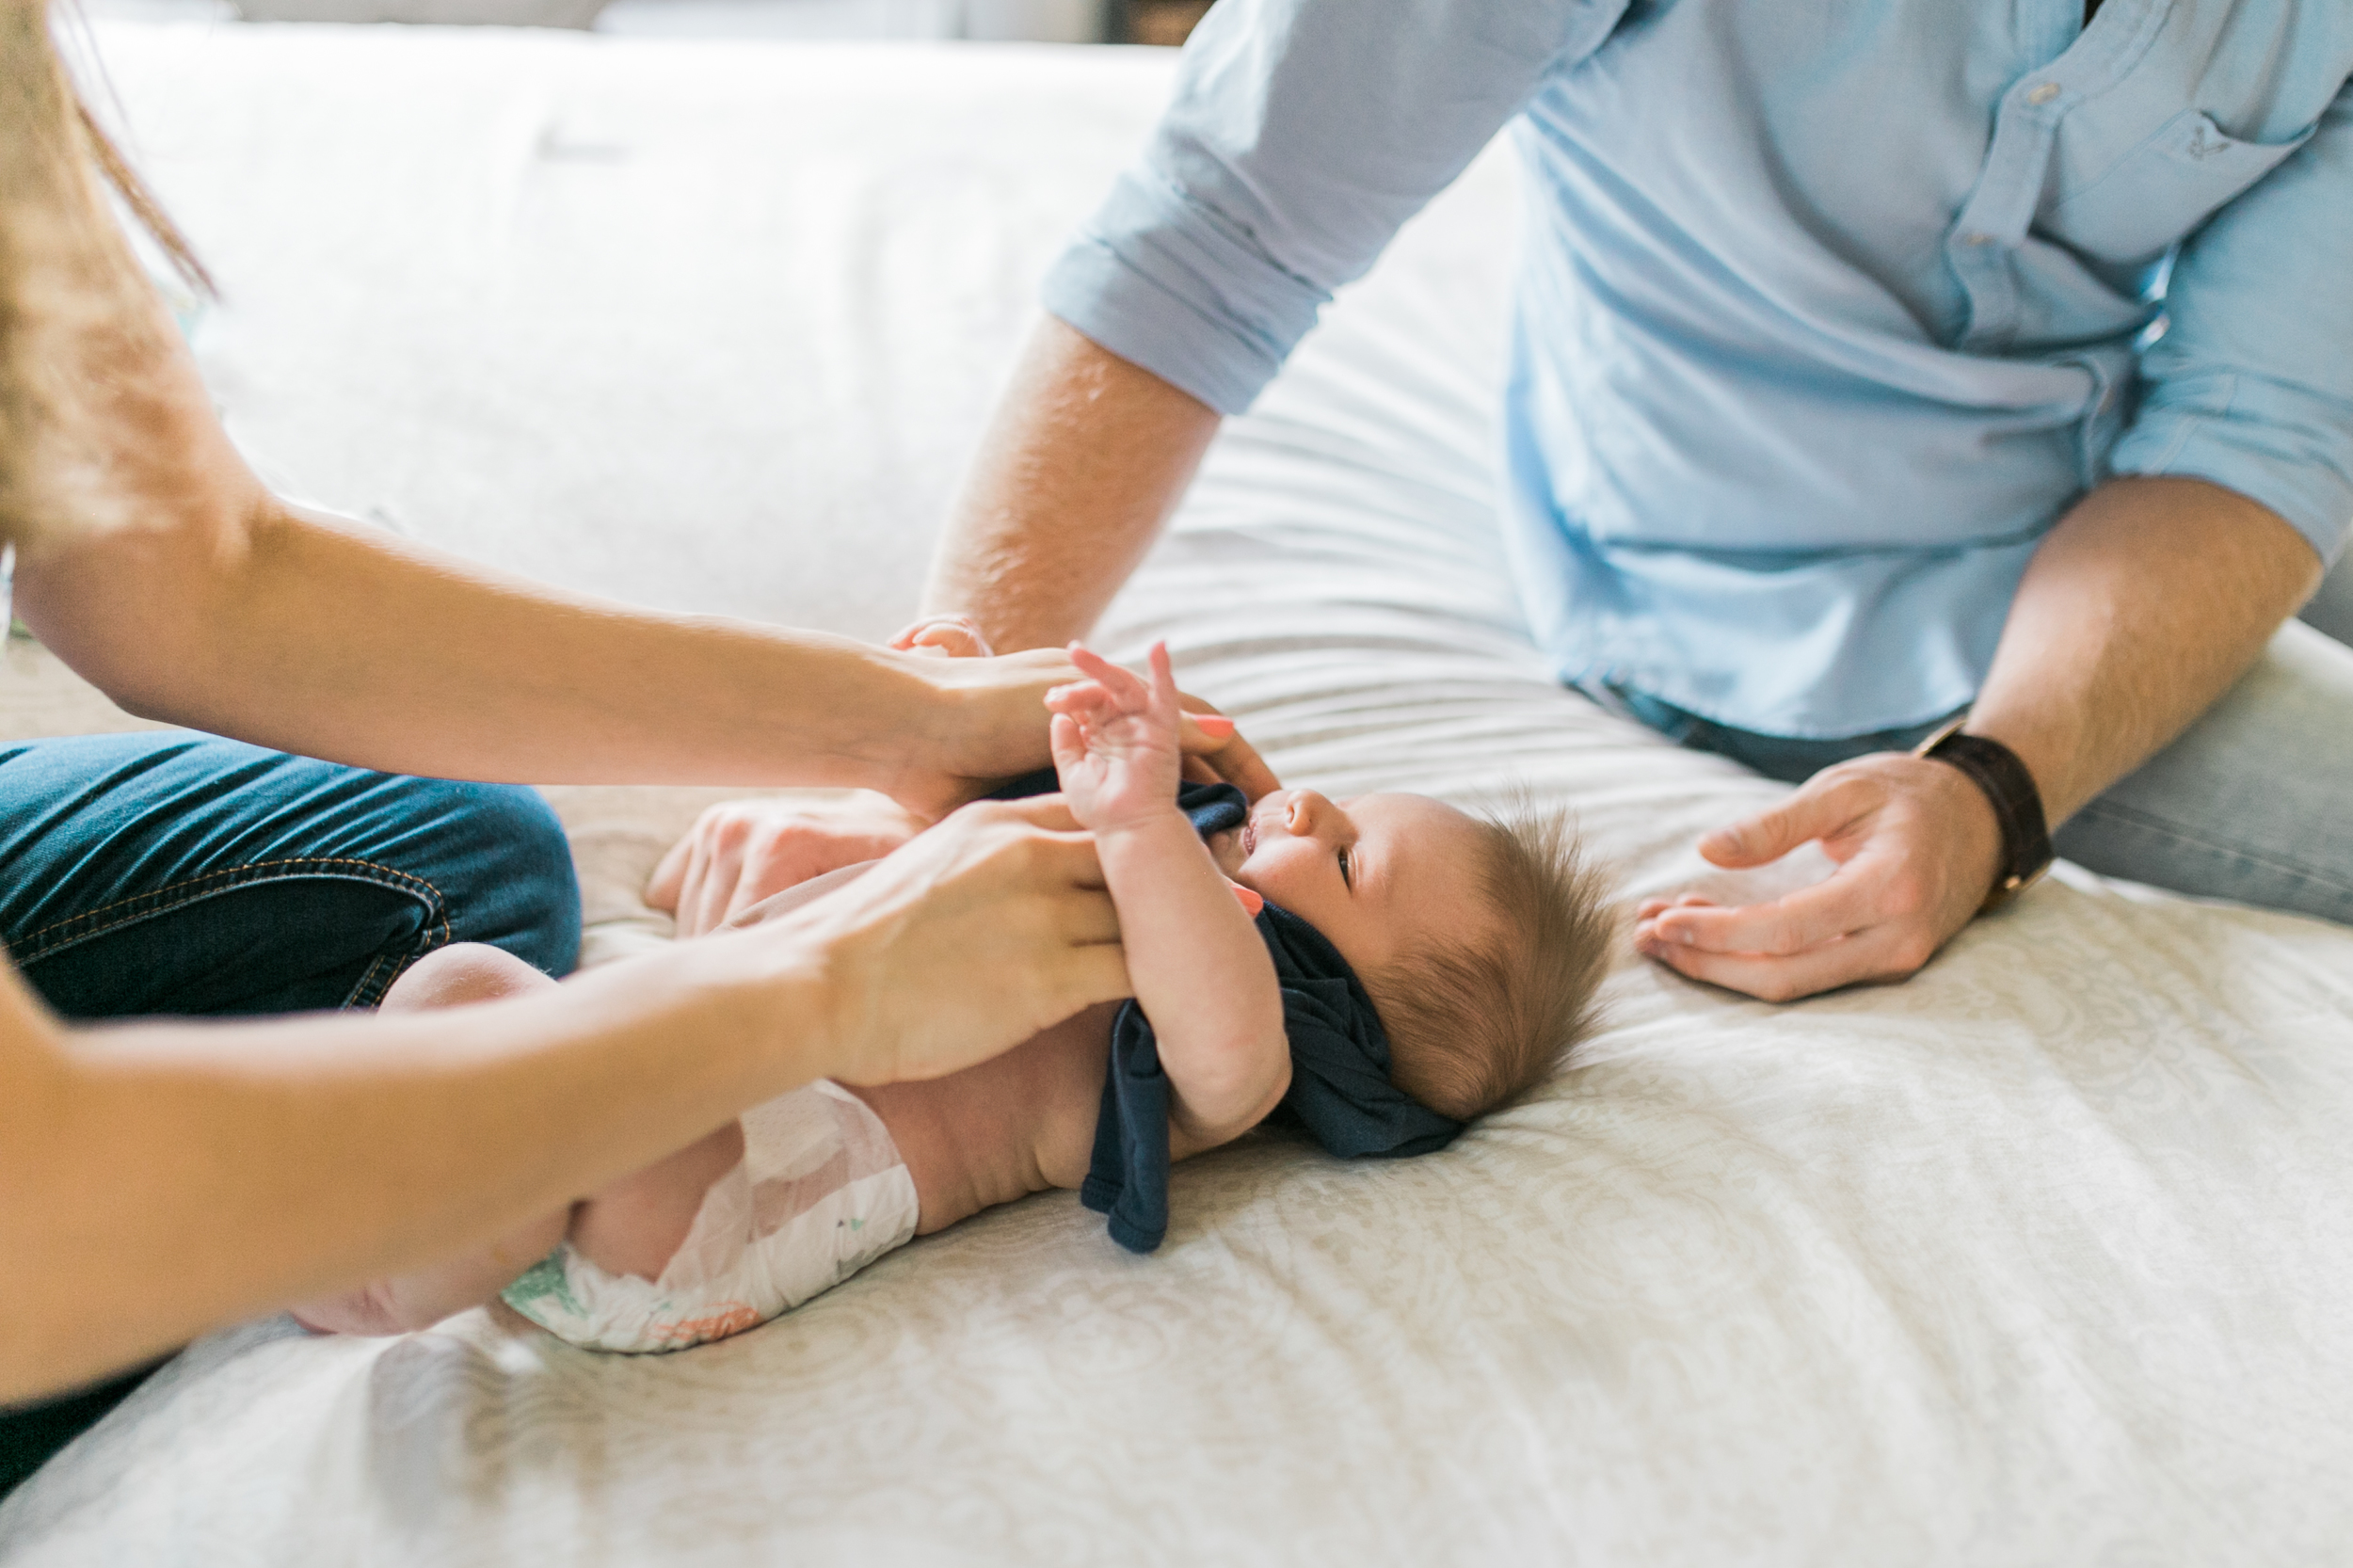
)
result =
(1249, 838)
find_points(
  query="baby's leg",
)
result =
(635, 1226)
(449, 978)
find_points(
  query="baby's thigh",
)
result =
(636, 1224)
(464, 973)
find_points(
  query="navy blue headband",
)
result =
(1340, 1090)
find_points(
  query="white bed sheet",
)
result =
(2040, 1258)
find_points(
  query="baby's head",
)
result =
(1481, 940)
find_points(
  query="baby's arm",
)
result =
(1201, 973)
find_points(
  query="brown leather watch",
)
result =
(2009, 788)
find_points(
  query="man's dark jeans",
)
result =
(175, 873)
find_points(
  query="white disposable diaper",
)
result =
(820, 1192)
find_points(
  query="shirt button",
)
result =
(2044, 92)
(1976, 239)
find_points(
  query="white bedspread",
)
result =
(2041, 1258)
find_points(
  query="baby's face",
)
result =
(1378, 875)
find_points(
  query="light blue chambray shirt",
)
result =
(1827, 313)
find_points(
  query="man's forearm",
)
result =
(1083, 462)
(2139, 611)
(2142, 607)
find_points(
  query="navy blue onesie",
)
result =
(1340, 1089)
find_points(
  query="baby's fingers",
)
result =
(1082, 697)
(1128, 690)
(1064, 739)
(1164, 697)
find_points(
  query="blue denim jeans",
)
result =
(175, 873)
(2249, 804)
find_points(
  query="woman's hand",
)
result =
(741, 852)
(1215, 753)
(962, 944)
(1114, 740)
(994, 721)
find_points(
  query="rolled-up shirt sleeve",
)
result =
(2252, 385)
(1302, 134)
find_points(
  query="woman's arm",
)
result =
(154, 563)
(296, 631)
(1200, 971)
(159, 1179)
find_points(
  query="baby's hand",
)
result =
(1114, 740)
(944, 636)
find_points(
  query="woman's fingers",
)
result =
(669, 875)
(705, 908)
(1209, 737)
(741, 852)
(1051, 814)
(968, 941)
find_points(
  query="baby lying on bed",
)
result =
(1383, 971)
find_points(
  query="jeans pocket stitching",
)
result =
(380, 974)
(59, 935)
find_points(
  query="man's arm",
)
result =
(1301, 135)
(2139, 611)
(1085, 459)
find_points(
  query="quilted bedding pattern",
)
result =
(2040, 1258)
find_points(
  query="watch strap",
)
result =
(2009, 789)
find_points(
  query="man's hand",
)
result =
(944, 636)
(742, 850)
(1918, 848)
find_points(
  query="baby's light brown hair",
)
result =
(1474, 1024)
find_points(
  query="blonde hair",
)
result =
(1473, 1025)
(66, 278)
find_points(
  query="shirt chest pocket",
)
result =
(2130, 208)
